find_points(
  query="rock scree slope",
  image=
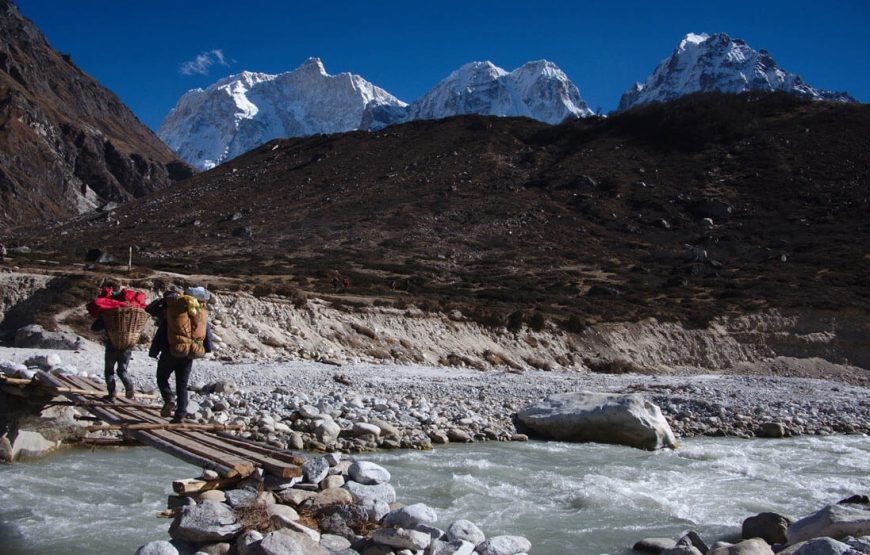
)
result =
(67, 144)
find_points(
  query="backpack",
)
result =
(186, 322)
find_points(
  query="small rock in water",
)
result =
(403, 539)
(770, 527)
(755, 546)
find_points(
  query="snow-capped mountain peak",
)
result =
(539, 90)
(313, 65)
(242, 111)
(717, 62)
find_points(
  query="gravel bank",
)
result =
(367, 407)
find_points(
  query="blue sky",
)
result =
(139, 49)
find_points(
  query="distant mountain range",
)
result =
(243, 111)
(240, 112)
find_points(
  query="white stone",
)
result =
(378, 492)
(401, 538)
(410, 516)
(601, 417)
(364, 428)
(465, 530)
(754, 546)
(504, 545)
(157, 548)
(833, 521)
(368, 473)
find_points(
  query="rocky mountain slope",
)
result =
(241, 112)
(710, 205)
(705, 63)
(67, 144)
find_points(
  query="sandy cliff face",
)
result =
(270, 327)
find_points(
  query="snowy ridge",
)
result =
(243, 111)
(703, 63)
(538, 90)
(240, 112)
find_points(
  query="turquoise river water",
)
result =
(566, 498)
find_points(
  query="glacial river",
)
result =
(566, 498)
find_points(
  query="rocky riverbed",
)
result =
(306, 405)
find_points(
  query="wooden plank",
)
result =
(277, 467)
(138, 425)
(14, 381)
(242, 466)
(150, 438)
(261, 448)
(192, 486)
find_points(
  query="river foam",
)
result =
(566, 498)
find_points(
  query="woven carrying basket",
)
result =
(124, 325)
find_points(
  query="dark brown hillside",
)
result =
(67, 144)
(710, 205)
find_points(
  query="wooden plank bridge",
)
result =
(209, 446)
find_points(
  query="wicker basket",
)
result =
(124, 325)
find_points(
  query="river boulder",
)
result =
(157, 548)
(504, 545)
(599, 417)
(820, 546)
(465, 530)
(770, 527)
(400, 538)
(206, 522)
(834, 521)
(755, 546)
(410, 516)
(290, 542)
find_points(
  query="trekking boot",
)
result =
(179, 419)
(110, 398)
(131, 394)
(168, 409)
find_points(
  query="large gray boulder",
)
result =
(206, 522)
(157, 548)
(833, 521)
(455, 547)
(410, 516)
(819, 546)
(402, 539)
(35, 336)
(504, 545)
(755, 546)
(465, 530)
(368, 473)
(770, 527)
(31, 445)
(600, 417)
(289, 542)
(379, 492)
